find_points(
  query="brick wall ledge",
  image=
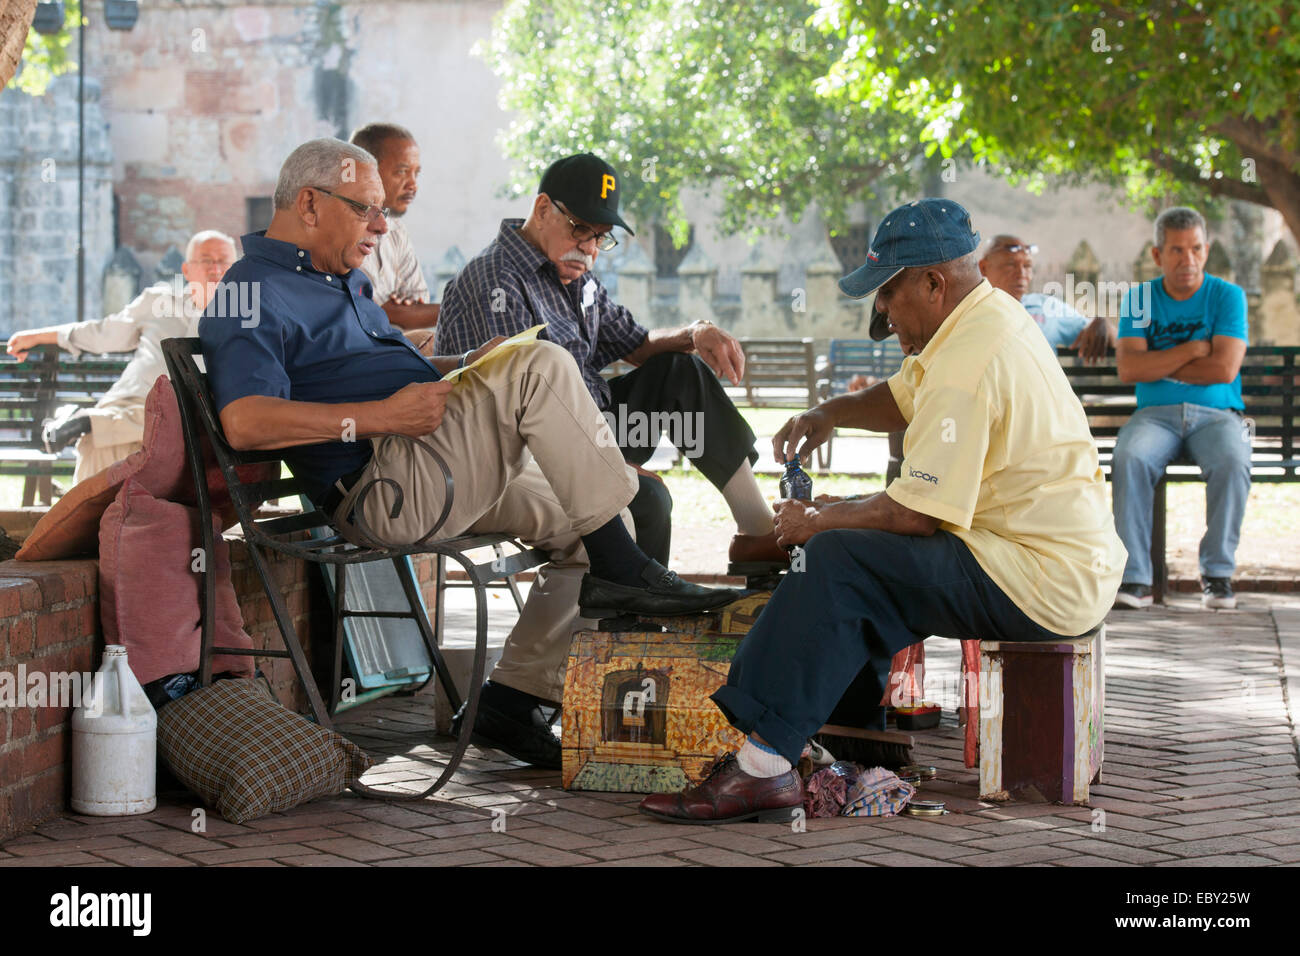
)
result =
(49, 622)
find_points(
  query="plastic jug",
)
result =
(114, 744)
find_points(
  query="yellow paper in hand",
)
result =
(522, 338)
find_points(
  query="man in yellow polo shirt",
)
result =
(998, 525)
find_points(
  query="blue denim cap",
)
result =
(924, 232)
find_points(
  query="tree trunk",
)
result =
(1282, 186)
(15, 21)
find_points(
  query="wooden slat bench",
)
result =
(30, 392)
(779, 373)
(1270, 380)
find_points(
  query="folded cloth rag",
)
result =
(877, 793)
(825, 792)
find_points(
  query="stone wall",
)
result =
(38, 205)
(49, 622)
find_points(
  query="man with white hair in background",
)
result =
(114, 427)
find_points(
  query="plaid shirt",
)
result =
(511, 286)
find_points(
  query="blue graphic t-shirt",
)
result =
(1217, 308)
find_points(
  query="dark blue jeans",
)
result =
(835, 627)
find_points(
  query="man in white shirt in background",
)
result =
(394, 268)
(114, 427)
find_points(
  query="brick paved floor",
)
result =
(1201, 770)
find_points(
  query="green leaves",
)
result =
(45, 57)
(776, 104)
(1145, 96)
(720, 95)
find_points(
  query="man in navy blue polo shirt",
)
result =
(315, 367)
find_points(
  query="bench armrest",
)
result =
(372, 540)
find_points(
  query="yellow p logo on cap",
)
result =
(606, 185)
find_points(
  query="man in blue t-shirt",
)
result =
(1182, 338)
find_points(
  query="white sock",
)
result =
(748, 506)
(759, 760)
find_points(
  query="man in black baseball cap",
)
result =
(538, 271)
(588, 186)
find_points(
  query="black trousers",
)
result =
(652, 516)
(825, 641)
(718, 437)
(715, 437)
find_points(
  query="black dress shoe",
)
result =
(61, 431)
(663, 594)
(520, 731)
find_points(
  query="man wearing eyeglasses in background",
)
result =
(394, 268)
(539, 270)
(1009, 266)
(114, 427)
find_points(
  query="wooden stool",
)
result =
(1041, 717)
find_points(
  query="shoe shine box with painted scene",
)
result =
(637, 713)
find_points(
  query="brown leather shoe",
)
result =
(729, 795)
(748, 549)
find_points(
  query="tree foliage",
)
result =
(1165, 96)
(45, 57)
(677, 93)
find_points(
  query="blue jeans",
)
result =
(1216, 440)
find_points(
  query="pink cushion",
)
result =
(71, 526)
(149, 587)
(163, 470)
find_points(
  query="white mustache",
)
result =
(577, 255)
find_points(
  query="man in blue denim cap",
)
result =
(998, 525)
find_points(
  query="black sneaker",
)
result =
(1133, 595)
(1217, 592)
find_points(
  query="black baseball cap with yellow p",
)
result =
(587, 186)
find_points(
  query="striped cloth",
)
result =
(235, 746)
(877, 793)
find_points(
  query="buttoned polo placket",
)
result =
(347, 289)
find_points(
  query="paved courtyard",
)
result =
(1200, 770)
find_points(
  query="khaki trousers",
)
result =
(531, 456)
(116, 431)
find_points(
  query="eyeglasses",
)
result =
(368, 213)
(605, 241)
(1019, 247)
(209, 263)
